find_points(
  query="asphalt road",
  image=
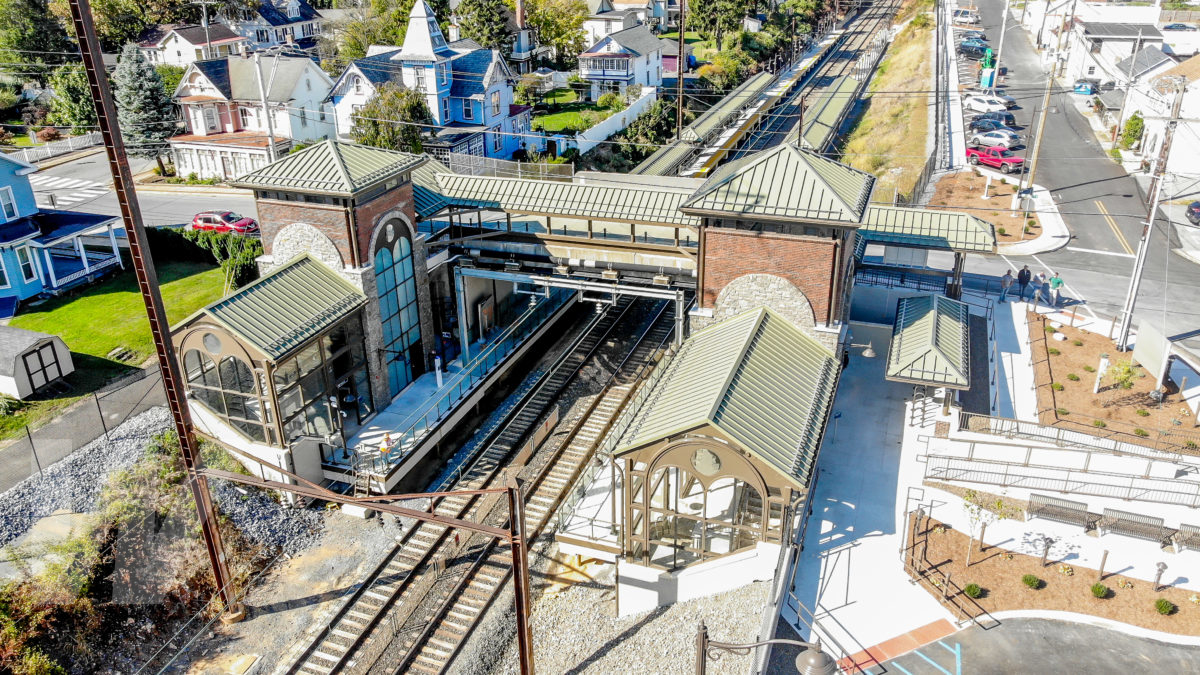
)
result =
(1101, 204)
(86, 185)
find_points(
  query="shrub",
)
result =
(1141, 432)
(1142, 412)
(1001, 231)
(1099, 590)
(1051, 330)
(1122, 373)
(1072, 377)
(1053, 351)
(10, 405)
(1062, 411)
(1115, 154)
(1099, 424)
(1190, 445)
(973, 591)
(1077, 343)
(1031, 223)
(611, 100)
(1089, 369)
(1057, 386)
(1026, 229)
(1164, 606)
(49, 134)
(1031, 581)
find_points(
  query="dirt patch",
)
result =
(965, 190)
(1065, 373)
(999, 573)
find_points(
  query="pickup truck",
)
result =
(997, 158)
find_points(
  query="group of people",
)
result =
(1043, 289)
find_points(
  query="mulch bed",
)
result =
(999, 573)
(964, 189)
(1166, 425)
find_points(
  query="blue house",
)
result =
(469, 91)
(44, 252)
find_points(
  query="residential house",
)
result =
(521, 51)
(604, 19)
(278, 22)
(670, 56)
(42, 251)
(469, 90)
(653, 13)
(1097, 48)
(223, 108)
(1152, 97)
(181, 45)
(627, 57)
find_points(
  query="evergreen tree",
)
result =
(31, 34)
(391, 119)
(144, 109)
(72, 103)
(486, 22)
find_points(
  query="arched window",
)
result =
(356, 84)
(396, 287)
(691, 522)
(228, 389)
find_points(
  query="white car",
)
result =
(1008, 101)
(984, 104)
(997, 137)
(965, 16)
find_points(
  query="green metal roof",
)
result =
(717, 117)
(332, 168)
(282, 310)
(928, 228)
(624, 203)
(758, 379)
(786, 183)
(425, 188)
(931, 342)
(825, 114)
(666, 160)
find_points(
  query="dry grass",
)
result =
(889, 138)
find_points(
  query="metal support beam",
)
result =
(680, 317)
(565, 282)
(464, 335)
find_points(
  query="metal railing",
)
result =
(1064, 438)
(96, 263)
(900, 279)
(1067, 481)
(467, 379)
(56, 148)
(474, 165)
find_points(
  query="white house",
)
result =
(29, 361)
(469, 90)
(226, 116)
(627, 57)
(522, 49)
(1152, 98)
(181, 45)
(1097, 48)
(604, 19)
(653, 13)
(278, 22)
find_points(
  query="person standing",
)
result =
(1056, 284)
(1006, 283)
(1023, 278)
(1041, 290)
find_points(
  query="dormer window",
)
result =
(293, 10)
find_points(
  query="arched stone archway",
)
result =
(300, 238)
(755, 290)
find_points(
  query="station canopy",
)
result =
(928, 228)
(930, 342)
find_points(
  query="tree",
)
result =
(170, 76)
(558, 24)
(391, 119)
(72, 103)
(1132, 134)
(144, 110)
(121, 21)
(31, 34)
(714, 18)
(981, 513)
(486, 22)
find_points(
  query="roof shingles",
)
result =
(331, 167)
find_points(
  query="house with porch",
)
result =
(628, 57)
(468, 89)
(277, 22)
(228, 132)
(183, 44)
(42, 251)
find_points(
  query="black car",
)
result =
(1178, 26)
(986, 125)
(974, 35)
(971, 51)
(1005, 118)
(1193, 213)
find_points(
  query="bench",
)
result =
(1188, 537)
(1134, 525)
(1061, 510)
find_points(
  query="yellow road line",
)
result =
(1113, 224)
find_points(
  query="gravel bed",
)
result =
(263, 520)
(74, 482)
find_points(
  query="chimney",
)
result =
(521, 14)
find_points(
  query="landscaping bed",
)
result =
(1065, 399)
(999, 574)
(965, 190)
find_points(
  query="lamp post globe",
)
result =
(815, 662)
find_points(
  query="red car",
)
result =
(224, 221)
(995, 157)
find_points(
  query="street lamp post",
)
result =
(812, 661)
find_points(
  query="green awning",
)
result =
(429, 201)
(758, 379)
(719, 115)
(332, 168)
(281, 311)
(785, 183)
(666, 160)
(928, 228)
(825, 113)
(931, 342)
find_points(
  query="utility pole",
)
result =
(262, 94)
(679, 71)
(1160, 169)
(147, 278)
(1061, 34)
(1037, 149)
(204, 22)
(1000, 47)
(1137, 46)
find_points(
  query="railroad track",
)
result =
(413, 567)
(482, 574)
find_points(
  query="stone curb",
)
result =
(1099, 622)
(1055, 233)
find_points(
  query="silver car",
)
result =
(997, 137)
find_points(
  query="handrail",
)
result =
(1065, 438)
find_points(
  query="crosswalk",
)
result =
(59, 192)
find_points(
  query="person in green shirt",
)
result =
(1056, 284)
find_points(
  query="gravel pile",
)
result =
(74, 482)
(265, 521)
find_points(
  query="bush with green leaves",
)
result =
(1062, 411)
(1072, 377)
(611, 100)
(1077, 343)
(1099, 590)
(973, 591)
(1141, 432)
(1164, 606)
(1051, 330)
(1057, 386)
(1099, 424)
(1053, 352)
(1134, 126)
(1089, 369)
(1031, 581)
(1190, 445)
(1122, 373)
(1142, 412)
(1001, 231)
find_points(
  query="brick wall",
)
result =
(806, 262)
(274, 215)
(367, 215)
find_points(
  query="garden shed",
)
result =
(29, 361)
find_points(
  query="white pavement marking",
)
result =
(1070, 290)
(1099, 252)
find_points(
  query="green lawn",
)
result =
(568, 112)
(107, 316)
(692, 36)
(23, 141)
(560, 95)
